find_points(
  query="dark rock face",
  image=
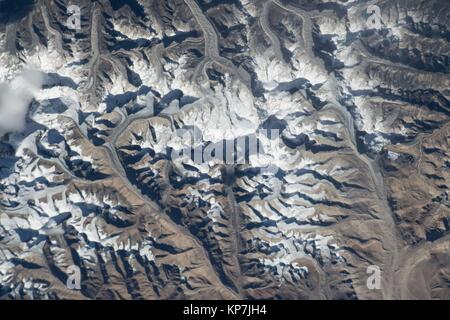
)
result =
(13, 11)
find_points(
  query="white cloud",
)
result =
(15, 97)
